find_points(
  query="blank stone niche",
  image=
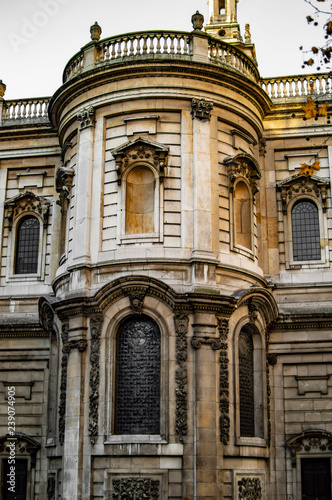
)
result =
(140, 187)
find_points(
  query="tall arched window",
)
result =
(305, 231)
(27, 246)
(137, 379)
(250, 384)
(140, 186)
(242, 208)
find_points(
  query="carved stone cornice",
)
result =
(201, 109)
(26, 202)
(243, 166)
(142, 151)
(86, 117)
(303, 185)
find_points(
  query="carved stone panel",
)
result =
(135, 488)
(181, 328)
(95, 326)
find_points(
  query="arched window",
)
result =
(242, 208)
(137, 378)
(27, 246)
(250, 384)
(305, 231)
(140, 186)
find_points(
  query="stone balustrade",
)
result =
(25, 109)
(294, 86)
(158, 44)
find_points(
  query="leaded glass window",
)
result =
(246, 381)
(305, 229)
(27, 246)
(137, 394)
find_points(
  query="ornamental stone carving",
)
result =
(303, 185)
(250, 488)
(95, 326)
(86, 117)
(181, 327)
(224, 421)
(243, 166)
(26, 202)
(311, 441)
(135, 488)
(25, 446)
(63, 183)
(140, 151)
(201, 109)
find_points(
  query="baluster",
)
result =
(113, 50)
(158, 44)
(172, 48)
(131, 46)
(106, 52)
(145, 44)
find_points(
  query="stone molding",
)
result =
(24, 445)
(143, 151)
(311, 441)
(302, 185)
(243, 166)
(26, 202)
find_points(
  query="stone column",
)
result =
(83, 187)
(206, 432)
(202, 179)
(74, 345)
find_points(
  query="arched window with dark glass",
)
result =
(305, 231)
(137, 377)
(250, 383)
(27, 246)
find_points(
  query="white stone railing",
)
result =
(25, 109)
(228, 55)
(163, 45)
(294, 86)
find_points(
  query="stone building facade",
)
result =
(165, 287)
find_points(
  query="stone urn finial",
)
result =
(197, 20)
(2, 89)
(95, 32)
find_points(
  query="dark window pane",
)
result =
(305, 228)
(137, 400)
(27, 245)
(246, 380)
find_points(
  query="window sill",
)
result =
(254, 441)
(136, 438)
(24, 277)
(140, 238)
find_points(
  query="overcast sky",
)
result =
(38, 37)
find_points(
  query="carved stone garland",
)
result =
(95, 326)
(135, 488)
(181, 328)
(224, 421)
(250, 488)
(51, 487)
(67, 346)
